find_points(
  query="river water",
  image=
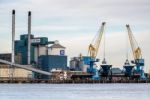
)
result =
(74, 91)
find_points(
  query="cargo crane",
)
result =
(105, 70)
(136, 50)
(128, 69)
(92, 52)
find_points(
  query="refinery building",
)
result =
(45, 55)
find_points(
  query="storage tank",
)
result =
(84, 68)
(81, 65)
(42, 50)
(36, 54)
(73, 64)
(76, 63)
(39, 50)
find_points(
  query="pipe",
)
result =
(13, 37)
(29, 37)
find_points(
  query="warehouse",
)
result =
(5, 73)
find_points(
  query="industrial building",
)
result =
(17, 73)
(45, 55)
(38, 47)
(5, 71)
(35, 52)
(47, 60)
(54, 59)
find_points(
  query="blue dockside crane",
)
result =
(93, 51)
(137, 54)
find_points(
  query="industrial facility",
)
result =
(37, 58)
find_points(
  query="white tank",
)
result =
(56, 49)
(80, 65)
(42, 50)
(84, 68)
(38, 51)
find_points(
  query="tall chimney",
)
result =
(13, 37)
(29, 36)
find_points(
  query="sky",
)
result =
(75, 23)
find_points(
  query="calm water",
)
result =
(74, 91)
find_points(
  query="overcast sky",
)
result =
(75, 22)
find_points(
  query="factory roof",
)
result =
(56, 46)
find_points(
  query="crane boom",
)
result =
(135, 48)
(94, 46)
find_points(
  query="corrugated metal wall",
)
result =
(53, 61)
(49, 62)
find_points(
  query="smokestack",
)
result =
(13, 37)
(29, 36)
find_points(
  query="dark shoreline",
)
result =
(73, 81)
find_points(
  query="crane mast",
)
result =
(136, 50)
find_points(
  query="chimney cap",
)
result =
(13, 11)
(29, 13)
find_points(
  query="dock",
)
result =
(47, 81)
